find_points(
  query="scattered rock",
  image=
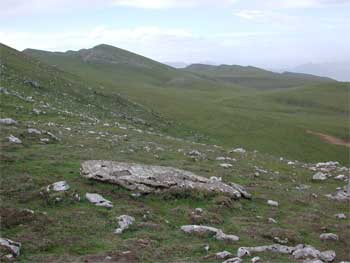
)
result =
(33, 131)
(58, 186)
(223, 255)
(124, 221)
(238, 150)
(328, 255)
(256, 259)
(98, 200)
(8, 121)
(272, 203)
(272, 221)
(340, 195)
(207, 230)
(226, 165)
(329, 236)
(319, 176)
(233, 260)
(14, 139)
(340, 216)
(155, 179)
(9, 246)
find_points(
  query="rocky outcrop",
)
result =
(207, 230)
(300, 252)
(155, 179)
(340, 195)
(9, 249)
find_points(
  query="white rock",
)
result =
(12, 246)
(14, 139)
(328, 255)
(58, 186)
(124, 221)
(217, 233)
(8, 121)
(45, 140)
(329, 236)
(306, 252)
(272, 203)
(98, 200)
(239, 150)
(340, 216)
(223, 255)
(272, 221)
(319, 176)
(313, 261)
(340, 177)
(33, 131)
(233, 260)
(241, 252)
(255, 259)
(226, 165)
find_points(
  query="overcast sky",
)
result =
(268, 33)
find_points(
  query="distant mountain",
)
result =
(111, 66)
(336, 70)
(254, 77)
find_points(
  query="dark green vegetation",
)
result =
(91, 118)
(249, 109)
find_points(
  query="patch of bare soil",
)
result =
(329, 139)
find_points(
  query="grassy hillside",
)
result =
(253, 77)
(94, 123)
(223, 113)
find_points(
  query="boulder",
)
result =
(98, 200)
(329, 236)
(272, 203)
(319, 176)
(156, 179)
(328, 255)
(14, 139)
(255, 259)
(223, 255)
(340, 195)
(207, 230)
(9, 246)
(8, 121)
(238, 150)
(124, 221)
(340, 216)
(58, 186)
(33, 131)
(226, 165)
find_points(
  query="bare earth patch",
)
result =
(329, 139)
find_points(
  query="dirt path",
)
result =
(329, 139)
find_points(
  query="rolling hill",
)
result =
(253, 77)
(214, 101)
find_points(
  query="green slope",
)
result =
(253, 77)
(220, 112)
(113, 66)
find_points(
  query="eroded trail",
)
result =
(329, 139)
